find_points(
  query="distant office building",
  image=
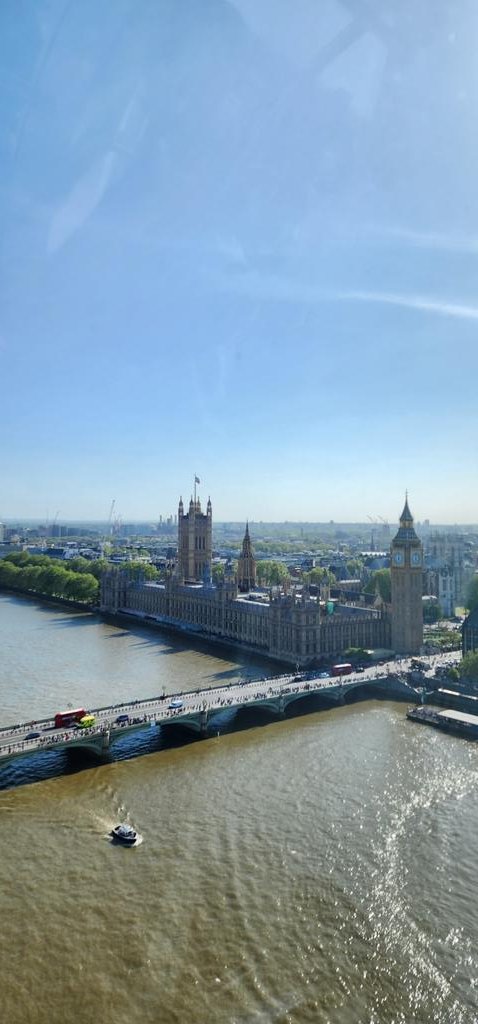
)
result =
(442, 584)
(449, 568)
(407, 587)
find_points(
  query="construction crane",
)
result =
(378, 519)
(110, 517)
(51, 529)
(384, 529)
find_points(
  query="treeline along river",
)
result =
(320, 869)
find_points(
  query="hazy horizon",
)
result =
(374, 527)
(240, 239)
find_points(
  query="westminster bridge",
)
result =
(201, 712)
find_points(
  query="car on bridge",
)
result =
(174, 705)
(32, 735)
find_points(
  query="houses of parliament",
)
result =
(288, 624)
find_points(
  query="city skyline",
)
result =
(375, 525)
(244, 240)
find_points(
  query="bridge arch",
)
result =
(180, 724)
(303, 703)
(261, 711)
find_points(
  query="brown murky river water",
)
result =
(320, 869)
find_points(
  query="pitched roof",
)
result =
(406, 532)
(406, 516)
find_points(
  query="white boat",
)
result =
(124, 834)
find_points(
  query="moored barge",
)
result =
(458, 699)
(449, 720)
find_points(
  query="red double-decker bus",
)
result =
(342, 670)
(65, 718)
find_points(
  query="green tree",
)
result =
(30, 577)
(317, 576)
(432, 611)
(8, 574)
(18, 558)
(271, 573)
(145, 569)
(355, 568)
(39, 574)
(217, 572)
(82, 587)
(78, 564)
(468, 668)
(39, 560)
(97, 566)
(52, 579)
(380, 582)
(57, 581)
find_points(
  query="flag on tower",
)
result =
(197, 480)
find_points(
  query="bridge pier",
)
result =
(203, 721)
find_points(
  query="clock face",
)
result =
(398, 558)
(416, 558)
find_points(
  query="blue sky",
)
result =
(240, 238)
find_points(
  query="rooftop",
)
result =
(459, 716)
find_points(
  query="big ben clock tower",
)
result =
(407, 587)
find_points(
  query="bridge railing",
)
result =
(225, 694)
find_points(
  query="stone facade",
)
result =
(246, 566)
(194, 541)
(407, 587)
(290, 627)
(449, 570)
(470, 633)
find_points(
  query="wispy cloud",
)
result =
(422, 303)
(425, 239)
(83, 199)
(283, 289)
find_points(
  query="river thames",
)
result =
(320, 869)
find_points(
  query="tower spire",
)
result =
(406, 517)
(406, 570)
(246, 568)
